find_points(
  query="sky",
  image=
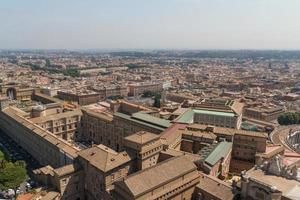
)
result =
(150, 24)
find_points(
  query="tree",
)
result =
(148, 94)
(133, 66)
(157, 98)
(71, 72)
(48, 63)
(35, 67)
(2, 160)
(115, 97)
(12, 175)
(289, 118)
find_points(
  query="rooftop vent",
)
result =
(273, 188)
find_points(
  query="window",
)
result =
(259, 195)
(101, 187)
(64, 181)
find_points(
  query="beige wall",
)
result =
(71, 186)
(43, 151)
(135, 90)
(222, 121)
(98, 184)
(245, 147)
(65, 127)
(109, 133)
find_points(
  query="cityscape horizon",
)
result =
(150, 100)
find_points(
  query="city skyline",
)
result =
(143, 25)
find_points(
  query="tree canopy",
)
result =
(157, 98)
(133, 66)
(289, 118)
(115, 97)
(71, 72)
(11, 174)
(149, 94)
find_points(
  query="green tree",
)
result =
(12, 175)
(281, 120)
(156, 103)
(148, 94)
(289, 118)
(35, 67)
(115, 97)
(48, 63)
(71, 72)
(133, 66)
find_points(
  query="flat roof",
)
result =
(188, 116)
(145, 123)
(151, 119)
(151, 178)
(209, 112)
(215, 187)
(288, 187)
(142, 137)
(221, 150)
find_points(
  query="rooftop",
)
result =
(286, 186)
(146, 121)
(188, 115)
(162, 173)
(215, 187)
(220, 151)
(63, 145)
(142, 137)
(104, 158)
(151, 119)
(56, 116)
(218, 113)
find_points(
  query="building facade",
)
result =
(138, 89)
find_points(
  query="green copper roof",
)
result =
(151, 119)
(221, 150)
(146, 120)
(188, 116)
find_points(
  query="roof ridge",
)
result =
(158, 164)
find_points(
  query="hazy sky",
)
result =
(150, 24)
